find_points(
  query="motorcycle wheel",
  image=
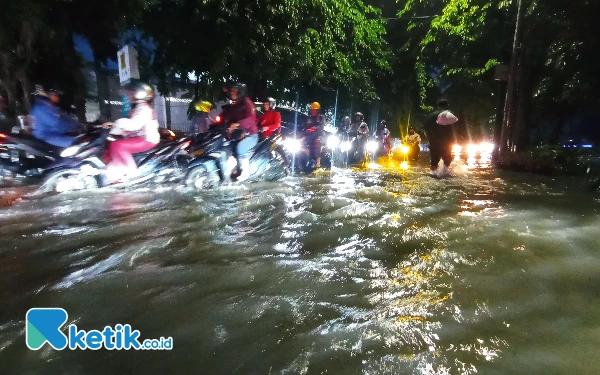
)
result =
(68, 180)
(278, 166)
(200, 178)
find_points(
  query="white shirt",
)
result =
(142, 120)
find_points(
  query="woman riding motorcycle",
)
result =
(240, 116)
(140, 131)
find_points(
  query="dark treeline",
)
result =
(385, 58)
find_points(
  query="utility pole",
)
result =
(337, 92)
(509, 111)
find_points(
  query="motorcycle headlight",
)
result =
(292, 145)
(332, 142)
(70, 151)
(404, 149)
(372, 146)
(346, 146)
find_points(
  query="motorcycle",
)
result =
(212, 158)
(357, 149)
(25, 157)
(22, 156)
(82, 165)
(299, 149)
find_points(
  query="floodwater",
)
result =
(354, 272)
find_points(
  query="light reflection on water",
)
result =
(367, 272)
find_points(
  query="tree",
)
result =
(37, 43)
(272, 44)
(555, 71)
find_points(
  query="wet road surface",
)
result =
(355, 272)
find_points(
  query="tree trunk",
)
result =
(509, 105)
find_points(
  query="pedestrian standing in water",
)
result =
(440, 132)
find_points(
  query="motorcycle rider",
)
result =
(201, 120)
(413, 140)
(240, 115)
(49, 124)
(141, 133)
(346, 122)
(360, 130)
(383, 135)
(270, 121)
(358, 123)
(314, 126)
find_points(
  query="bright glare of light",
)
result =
(70, 151)
(372, 146)
(487, 147)
(231, 163)
(346, 146)
(404, 149)
(472, 148)
(456, 149)
(332, 142)
(404, 165)
(373, 166)
(292, 145)
(330, 129)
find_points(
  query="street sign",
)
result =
(127, 59)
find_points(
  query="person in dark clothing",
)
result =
(440, 132)
(49, 124)
(383, 136)
(241, 118)
(360, 130)
(346, 122)
(314, 126)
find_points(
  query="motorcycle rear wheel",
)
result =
(68, 180)
(200, 178)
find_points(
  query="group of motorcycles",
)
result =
(199, 161)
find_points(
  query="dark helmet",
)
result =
(141, 92)
(346, 119)
(359, 115)
(443, 103)
(241, 90)
(383, 124)
(272, 102)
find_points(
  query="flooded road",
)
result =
(357, 272)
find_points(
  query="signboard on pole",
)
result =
(127, 59)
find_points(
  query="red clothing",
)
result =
(272, 120)
(241, 112)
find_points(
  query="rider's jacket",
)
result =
(241, 112)
(272, 120)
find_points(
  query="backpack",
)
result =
(446, 118)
